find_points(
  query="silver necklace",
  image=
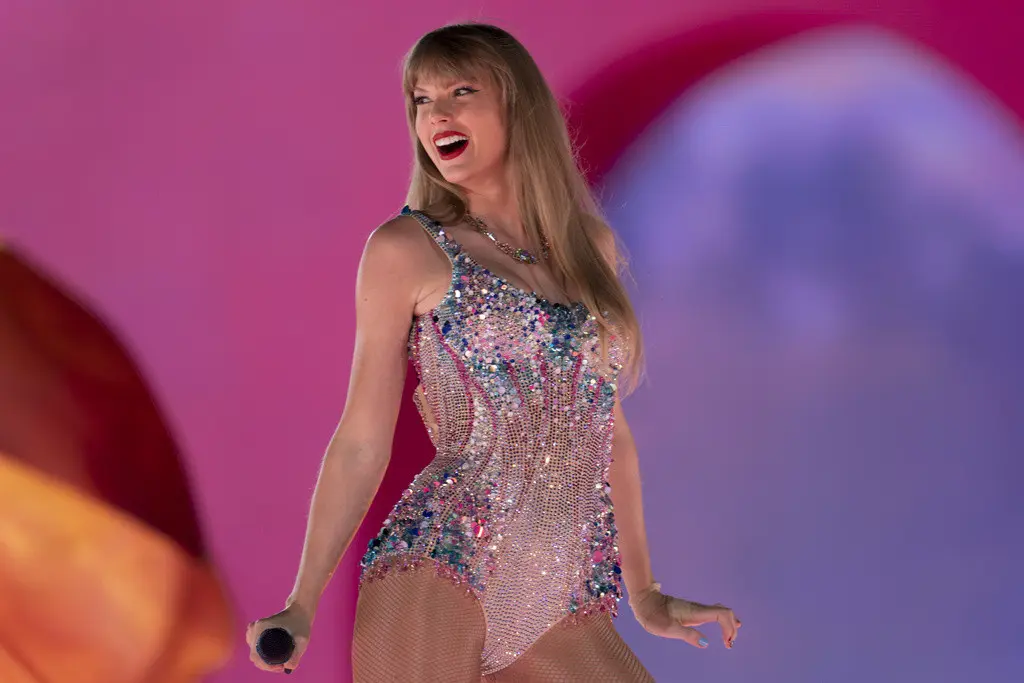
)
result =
(521, 255)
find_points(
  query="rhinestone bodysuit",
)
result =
(515, 505)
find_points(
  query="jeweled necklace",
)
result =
(521, 255)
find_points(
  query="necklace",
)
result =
(521, 255)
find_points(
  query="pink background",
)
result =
(205, 174)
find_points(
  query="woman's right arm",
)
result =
(387, 287)
(393, 269)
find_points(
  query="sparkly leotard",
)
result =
(515, 505)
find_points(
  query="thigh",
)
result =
(416, 627)
(590, 652)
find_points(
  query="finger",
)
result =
(729, 636)
(691, 613)
(690, 635)
(293, 661)
(273, 668)
(259, 663)
(730, 625)
(696, 638)
(300, 650)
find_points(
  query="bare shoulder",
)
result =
(401, 247)
(400, 237)
(401, 255)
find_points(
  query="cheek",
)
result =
(500, 143)
(494, 133)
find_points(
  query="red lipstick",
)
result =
(454, 143)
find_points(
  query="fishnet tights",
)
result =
(413, 627)
(592, 652)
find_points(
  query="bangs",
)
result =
(437, 59)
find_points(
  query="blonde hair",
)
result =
(553, 197)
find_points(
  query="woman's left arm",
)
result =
(624, 478)
(659, 613)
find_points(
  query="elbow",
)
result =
(361, 451)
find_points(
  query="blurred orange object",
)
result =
(103, 574)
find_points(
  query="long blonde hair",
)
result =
(553, 197)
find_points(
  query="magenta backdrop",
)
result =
(205, 173)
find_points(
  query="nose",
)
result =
(439, 111)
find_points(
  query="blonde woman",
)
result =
(503, 560)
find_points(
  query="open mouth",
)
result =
(451, 145)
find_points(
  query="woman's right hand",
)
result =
(294, 620)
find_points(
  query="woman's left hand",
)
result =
(669, 617)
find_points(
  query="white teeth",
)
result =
(451, 139)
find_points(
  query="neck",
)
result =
(496, 203)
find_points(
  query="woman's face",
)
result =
(460, 124)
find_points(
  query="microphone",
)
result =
(275, 646)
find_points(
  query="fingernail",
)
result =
(703, 642)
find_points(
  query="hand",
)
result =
(296, 621)
(669, 617)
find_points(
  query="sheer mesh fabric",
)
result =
(589, 652)
(515, 509)
(414, 627)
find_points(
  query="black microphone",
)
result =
(275, 646)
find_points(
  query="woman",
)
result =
(503, 560)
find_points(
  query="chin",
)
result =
(457, 176)
(468, 174)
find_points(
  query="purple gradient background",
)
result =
(840, 471)
(830, 288)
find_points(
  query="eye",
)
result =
(464, 90)
(418, 100)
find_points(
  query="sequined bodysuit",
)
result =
(515, 505)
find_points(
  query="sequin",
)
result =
(515, 505)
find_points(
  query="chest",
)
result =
(493, 326)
